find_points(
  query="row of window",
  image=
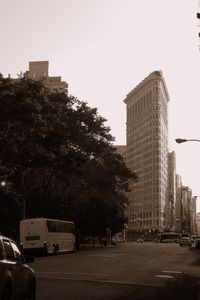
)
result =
(148, 214)
(151, 99)
(144, 223)
(143, 121)
(141, 104)
(59, 226)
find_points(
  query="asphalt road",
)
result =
(127, 271)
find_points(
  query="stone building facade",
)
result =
(147, 155)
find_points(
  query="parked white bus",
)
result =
(47, 235)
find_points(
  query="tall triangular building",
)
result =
(147, 155)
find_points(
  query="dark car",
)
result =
(185, 241)
(17, 279)
(195, 242)
(139, 240)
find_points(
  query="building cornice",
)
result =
(150, 77)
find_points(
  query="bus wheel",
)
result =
(45, 251)
(74, 248)
(55, 249)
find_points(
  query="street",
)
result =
(126, 271)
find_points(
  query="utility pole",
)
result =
(198, 17)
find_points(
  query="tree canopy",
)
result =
(59, 158)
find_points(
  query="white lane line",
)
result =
(164, 276)
(64, 276)
(173, 272)
(105, 281)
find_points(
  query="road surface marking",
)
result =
(164, 276)
(67, 276)
(173, 272)
(105, 281)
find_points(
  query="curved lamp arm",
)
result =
(179, 140)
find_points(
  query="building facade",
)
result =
(186, 210)
(39, 70)
(193, 216)
(171, 203)
(178, 205)
(198, 223)
(147, 155)
(121, 149)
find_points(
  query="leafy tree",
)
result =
(60, 158)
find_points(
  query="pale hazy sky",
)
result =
(104, 48)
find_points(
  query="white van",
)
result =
(47, 235)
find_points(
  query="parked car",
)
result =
(139, 240)
(17, 279)
(185, 241)
(195, 242)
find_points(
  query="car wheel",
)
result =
(32, 293)
(7, 294)
(198, 296)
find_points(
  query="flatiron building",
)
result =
(147, 154)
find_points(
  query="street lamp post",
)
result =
(177, 227)
(138, 226)
(124, 232)
(108, 236)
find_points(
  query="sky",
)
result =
(104, 48)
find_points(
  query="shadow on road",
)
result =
(183, 287)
